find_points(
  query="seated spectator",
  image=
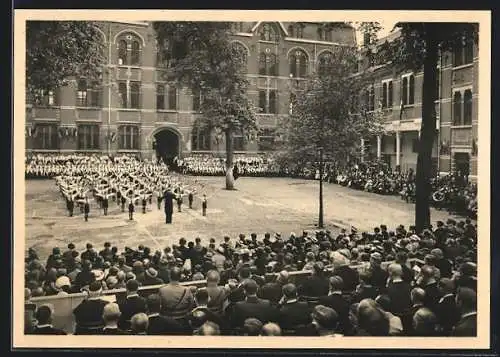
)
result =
(111, 315)
(294, 314)
(447, 311)
(401, 259)
(271, 290)
(365, 289)
(467, 305)
(88, 314)
(466, 276)
(398, 290)
(196, 319)
(177, 300)
(350, 276)
(43, 316)
(209, 328)
(252, 327)
(337, 302)
(395, 324)
(201, 299)
(417, 297)
(315, 285)
(217, 294)
(252, 306)
(161, 325)
(131, 305)
(424, 323)
(139, 324)
(372, 321)
(324, 323)
(378, 275)
(271, 329)
(428, 282)
(444, 265)
(151, 277)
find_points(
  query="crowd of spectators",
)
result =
(380, 283)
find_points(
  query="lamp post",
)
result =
(320, 219)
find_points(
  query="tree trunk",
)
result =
(427, 132)
(229, 160)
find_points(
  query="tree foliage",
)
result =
(200, 55)
(329, 115)
(57, 50)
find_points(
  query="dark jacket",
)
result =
(88, 316)
(47, 330)
(270, 291)
(349, 276)
(432, 296)
(314, 287)
(112, 331)
(399, 293)
(129, 307)
(162, 325)
(466, 326)
(447, 313)
(293, 315)
(378, 278)
(445, 268)
(341, 306)
(253, 307)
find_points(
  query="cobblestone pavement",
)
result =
(258, 205)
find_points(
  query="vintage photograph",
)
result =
(298, 176)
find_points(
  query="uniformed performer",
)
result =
(123, 201)
(190, 199)
(179, 201)
(204, 205)
(168, 198)
(70, 205)
(131, 209)
(105, 204)
(144, 203)
(86, 209)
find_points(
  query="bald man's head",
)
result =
(271, 329)
(417, 295)
(395, 270)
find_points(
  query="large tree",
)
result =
(200, 55)
(418, 48)
(58, 50)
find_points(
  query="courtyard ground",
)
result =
(258, 205)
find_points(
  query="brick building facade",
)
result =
(135, 111)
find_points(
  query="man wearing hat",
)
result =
(90, 254)
(88, 314)
(43, 316)
(152, 277)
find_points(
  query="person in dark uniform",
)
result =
(204, 205)
(190, 199)
(131, 210)
(105, 205)
(168, 198)
(118, 197)
(86, 209)
(179, 201)
(236, 173)
(70, 204)
(123, 201)
(144, 203)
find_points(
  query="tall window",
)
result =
(468, 107)
(324, 63)
(46, 98)
(128, 137)
(457, 108)
(200, 138)
(298, 64)
(46, 137)
(88, 94)
(129, 50)
(268, 64)
(268, 101)
(130, 94)
(463, 54)
(387, 94)
(88, 137)
(268, 32)
(408, 89)
(166, 97)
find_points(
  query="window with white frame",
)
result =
(166, 97)
(46, 98)
(88, 94)
(128, 137)
(408, 89)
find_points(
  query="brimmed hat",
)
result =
(376, 256)
(98, 274)
(130, 276)
(151, 272)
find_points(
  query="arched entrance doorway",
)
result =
(166, 145)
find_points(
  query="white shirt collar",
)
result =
(469, 314)
(444, 296)
(44, 325)
(154, 314)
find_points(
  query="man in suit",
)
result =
(132, 305)
(201, 299)
(324, 322)
(43, 315)
(161, 325)
(168, 197)
(176, 300)
(316, 285)
(88, 314)
(271, 290)
(217, 294)
(190, 199)
(467, 304)
(70, 204)
(429, 283)
(378, 275)
(204, 205)
(252, 306)
(336, 301)
(86, 209)
(105, 205)
(447, 310)
(443, 264)
(131, 209)
(294, 314)
(111, 316)
(398, 290)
